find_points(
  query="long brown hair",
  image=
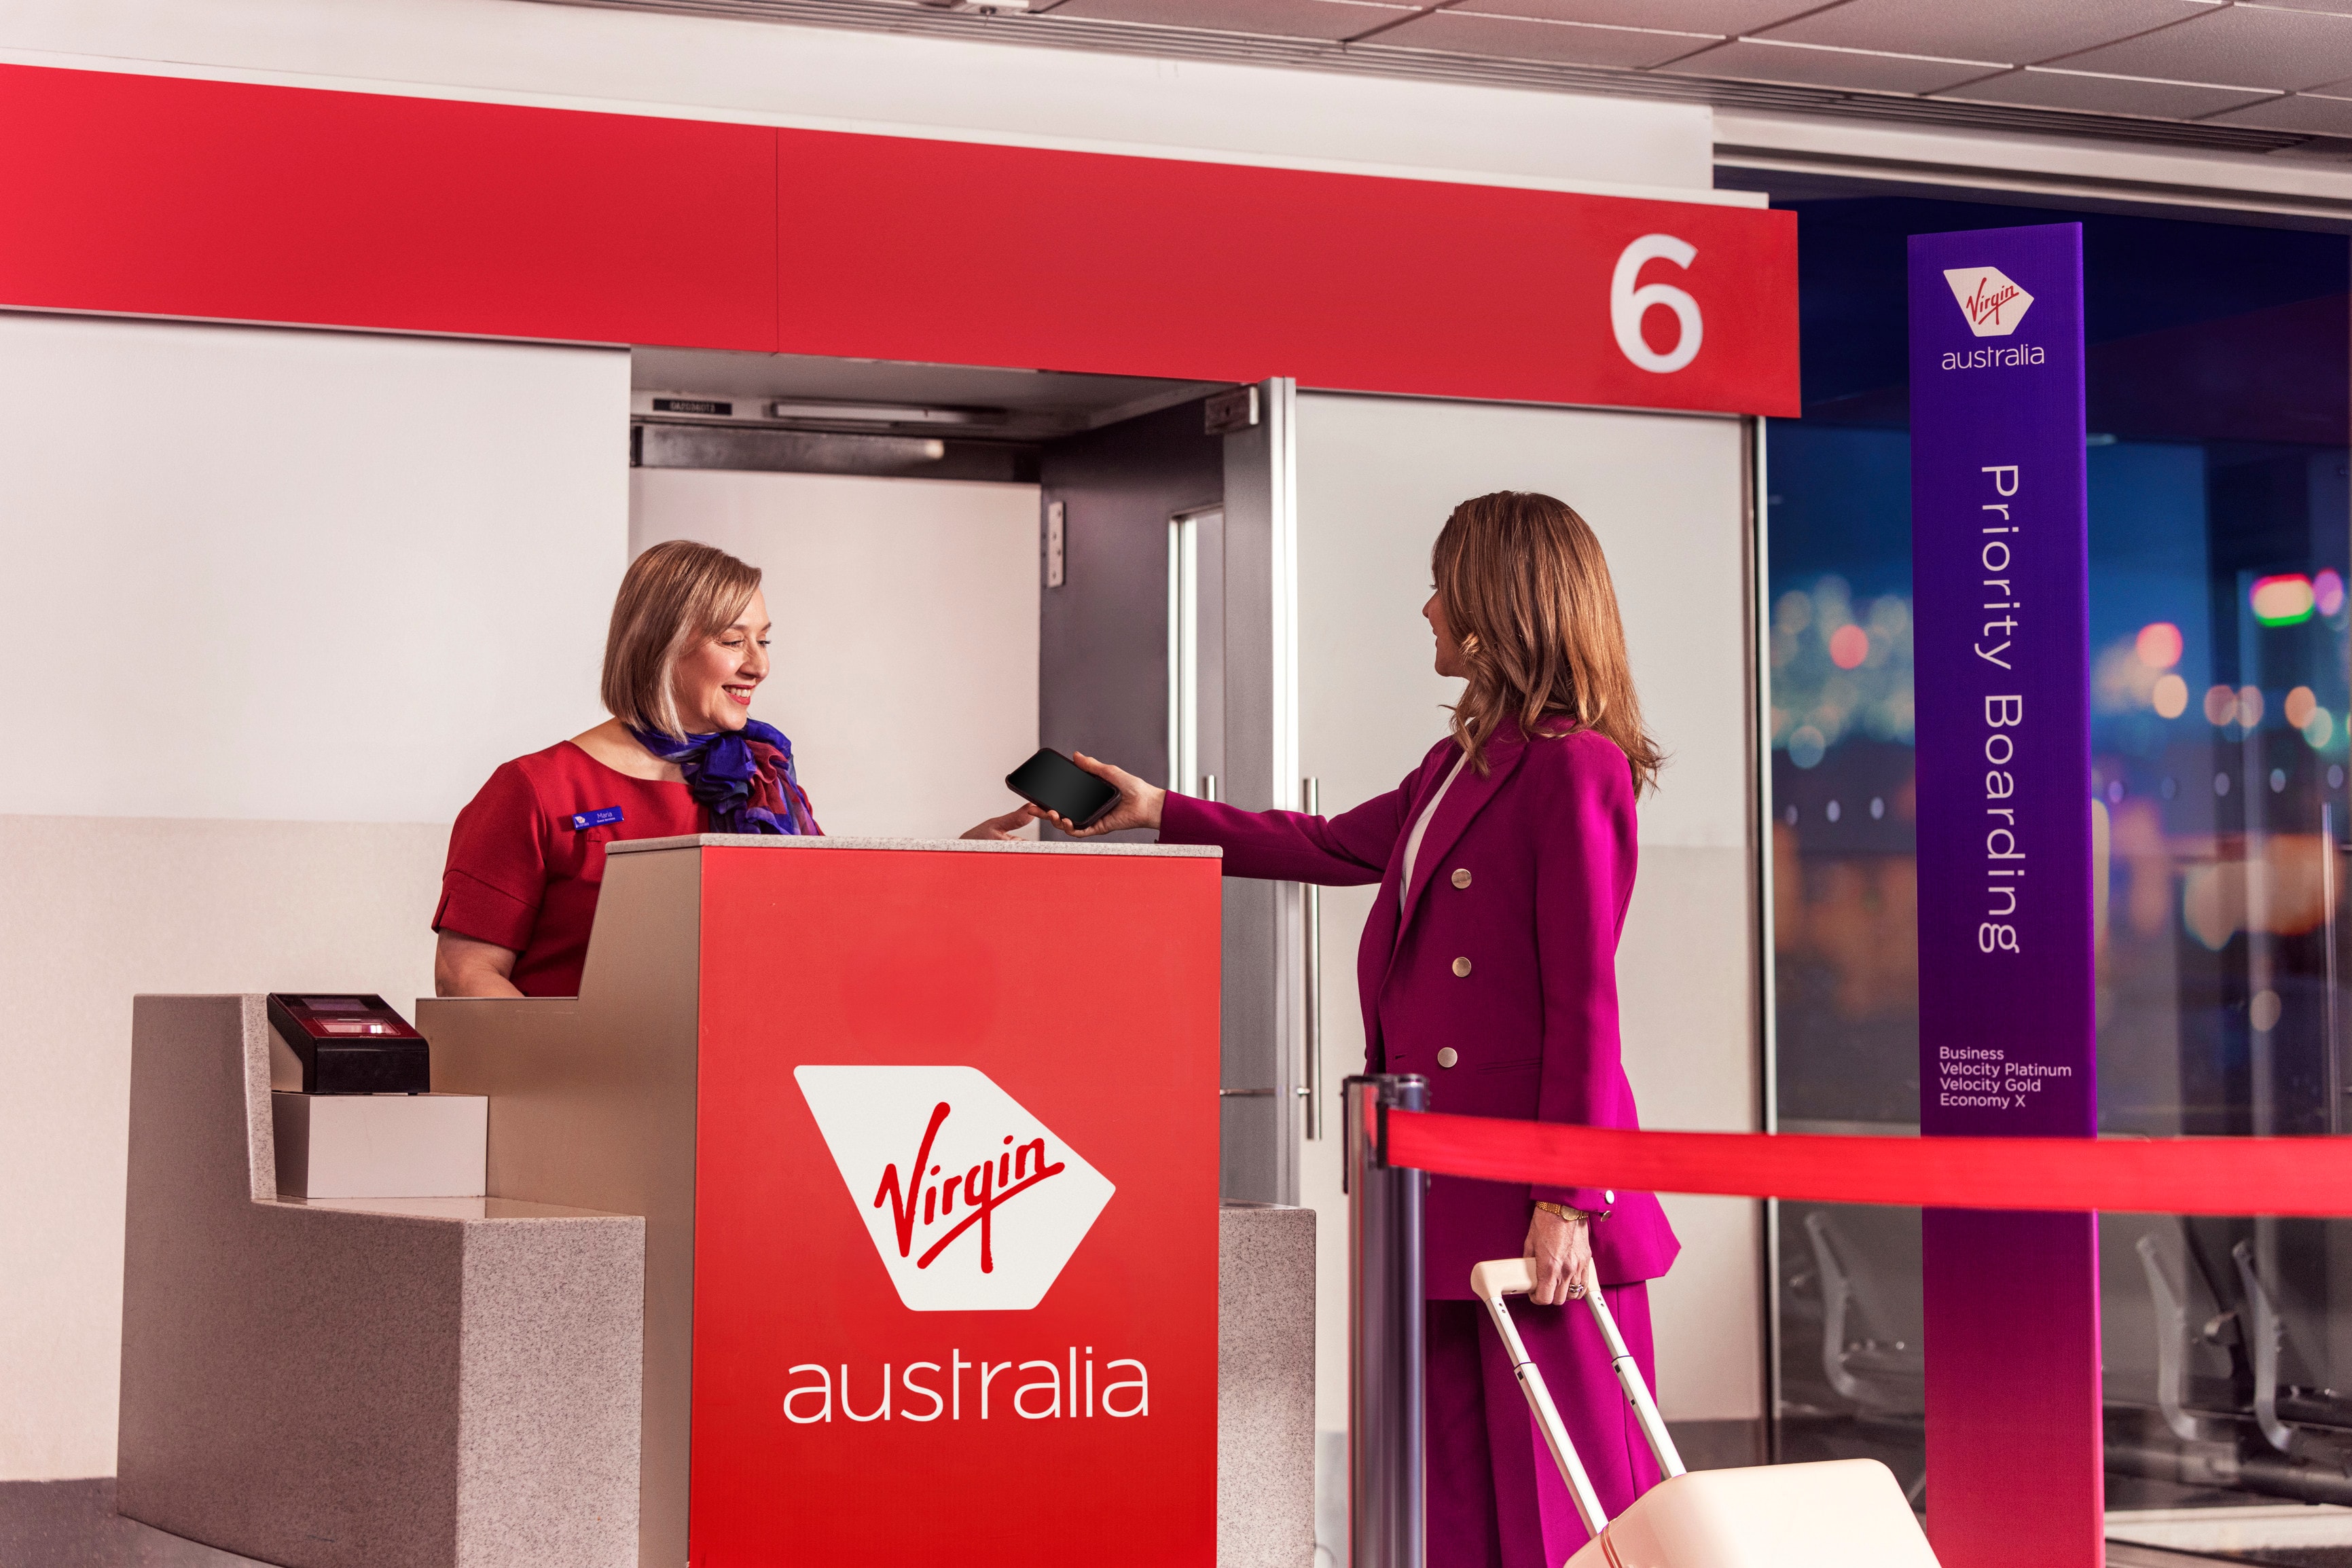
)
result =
(676, 595)
(1526, 593)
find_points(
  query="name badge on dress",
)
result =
(583, 820)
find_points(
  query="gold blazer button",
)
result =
(1462, 966)
(1448, 1057)
(1462, 876)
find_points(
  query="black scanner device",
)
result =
(352, 1044)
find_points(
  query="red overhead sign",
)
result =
(989, 254)
(166, 196)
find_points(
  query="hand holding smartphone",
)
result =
(1052, 782)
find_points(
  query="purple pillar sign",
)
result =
(2007, 1028)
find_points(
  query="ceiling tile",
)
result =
(2242, 46)
(1330, 19)
(2090, 94)
(1720, 18)
(2017, 31)
(1521, 38)
(2297, 111)
(1751, 59)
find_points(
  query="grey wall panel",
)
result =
(1103, 689)
(1102, 646)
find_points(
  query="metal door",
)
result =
(1165, 551)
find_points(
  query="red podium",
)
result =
(924, 1135)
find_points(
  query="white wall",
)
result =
(1377, 477)
(721, 69)
(310, 576)
(274, 603)
(905, 640)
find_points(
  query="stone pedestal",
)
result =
(360, 1383)
(1266, 1387)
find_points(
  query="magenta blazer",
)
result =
(1504, 952)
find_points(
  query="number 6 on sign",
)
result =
(1628, 305)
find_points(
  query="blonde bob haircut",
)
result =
(677, 595)
(1528, 595)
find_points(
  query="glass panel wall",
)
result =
(2220, 409)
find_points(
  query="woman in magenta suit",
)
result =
(1505, 862)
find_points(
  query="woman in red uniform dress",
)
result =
(681, 754)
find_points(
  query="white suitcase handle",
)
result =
(1512, 1277)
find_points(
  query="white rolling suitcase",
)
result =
(1846, 1513)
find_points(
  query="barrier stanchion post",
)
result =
(1385, 1517)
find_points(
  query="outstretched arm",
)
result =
(1286, 846)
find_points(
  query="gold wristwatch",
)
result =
(1563, 1211)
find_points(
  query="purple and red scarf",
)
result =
(742, 777)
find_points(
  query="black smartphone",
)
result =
(1052, 782)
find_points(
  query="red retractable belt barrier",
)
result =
(2311, 1176)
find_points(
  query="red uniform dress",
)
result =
(521, 874)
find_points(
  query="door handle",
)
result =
(1311, 1084)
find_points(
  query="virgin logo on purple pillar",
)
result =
(1993, 305)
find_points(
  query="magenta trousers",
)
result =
(1496, 1498)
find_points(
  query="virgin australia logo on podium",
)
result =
(973, 1203)
(1993, 305)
